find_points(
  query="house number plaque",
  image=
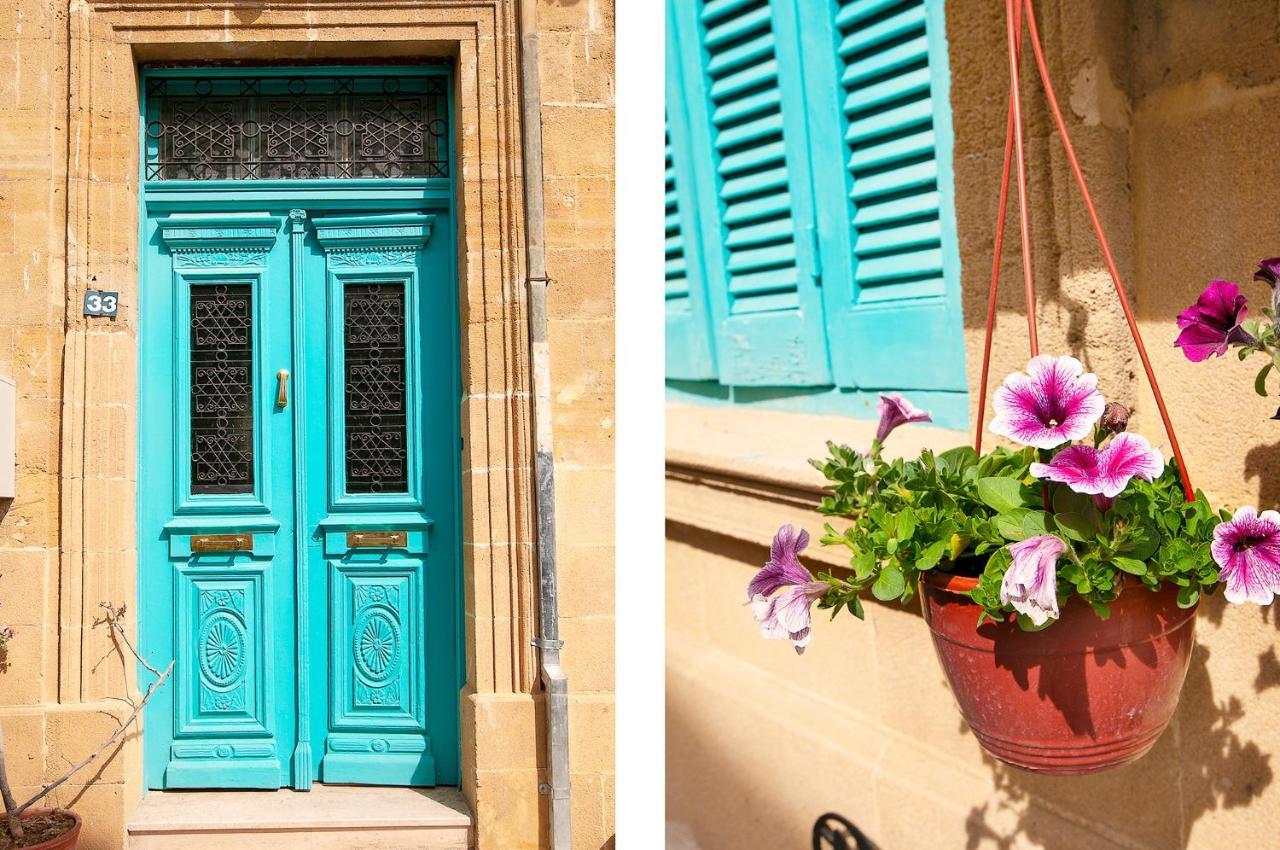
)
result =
(222, 543)
(377, 539)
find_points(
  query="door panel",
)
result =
(298, 498)
(216, 489)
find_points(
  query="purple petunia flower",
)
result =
(895, 410)
(1106, 471)
(1269, 273)
(1030, 584)
(1054, 402)
(1212, 324)
(785, 616)
(1247, 551)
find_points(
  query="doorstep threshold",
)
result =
(323, 808)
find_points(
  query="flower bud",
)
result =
(1115, 417)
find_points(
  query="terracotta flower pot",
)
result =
(1084, 695)
(65, 841)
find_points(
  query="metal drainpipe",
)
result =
(554, 680)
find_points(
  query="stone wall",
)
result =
(1171, 107)
(68, 220)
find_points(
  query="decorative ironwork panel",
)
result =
(272, 127)
(222, 388)
(374, 371)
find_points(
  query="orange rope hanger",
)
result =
(1013, 151)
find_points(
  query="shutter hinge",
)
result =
(815, 254)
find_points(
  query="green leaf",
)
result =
(1188, 596)
(1010, 524)
(1074, 526)
(1102, 609)
(1035, 523)
(889, 584)
(931, 555)
(855, 608)
(1002, 494)
(863, 564)
(1024, 623)
(906, 525)
(1260, 382)
(1130, 565)
(1067, 501)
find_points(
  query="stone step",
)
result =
(328, 817)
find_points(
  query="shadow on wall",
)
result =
(1215, 768)
(1263, 463)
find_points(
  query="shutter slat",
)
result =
(905, 265)
(758, 259)
(716, 10)
(904, 237)
(746, 107)
(885, 61)
(858, 11)
(752, 158)
(897, 87)
(755, 234)
(928, 288)
(748, 78)
(754, 184)
(864, 38)
(744, 54)
(897, 209)
(905, 147)
(737, 27)
(890, 121)
(746, 212)
(770, 126)
(771, 280)
(916, 176)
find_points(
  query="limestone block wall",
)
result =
(1171, 107)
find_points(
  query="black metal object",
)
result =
(374, 370)
(222, 388)
(834, 832)
(264, 128)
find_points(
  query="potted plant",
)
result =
(31, 828)
(1059, 579)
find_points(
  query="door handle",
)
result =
(282, 388)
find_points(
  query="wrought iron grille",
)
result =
(273, 127)
(222, 388)
(374, 369)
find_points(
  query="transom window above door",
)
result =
(228, 126)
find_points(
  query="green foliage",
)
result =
(958, 512)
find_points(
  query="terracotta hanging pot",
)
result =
(1082, 696)
(66, 841)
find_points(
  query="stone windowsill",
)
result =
(743, 472)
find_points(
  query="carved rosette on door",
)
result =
(376, 531)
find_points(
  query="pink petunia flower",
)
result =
(1212, 324)
(1247, 551)
(1053, 403)
(1269, 273)
(895, 410)
(1106, 471)
(1030, 584)
(787, 615)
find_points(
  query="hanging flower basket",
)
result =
(1059, 580)
(1086, 695)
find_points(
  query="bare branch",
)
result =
(113, 616)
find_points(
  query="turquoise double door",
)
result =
(298, 496)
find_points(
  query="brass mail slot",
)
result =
(222, 543)
(377, 539)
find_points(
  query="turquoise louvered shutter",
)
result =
(745, 129)
(688, 337)
(880, 126)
